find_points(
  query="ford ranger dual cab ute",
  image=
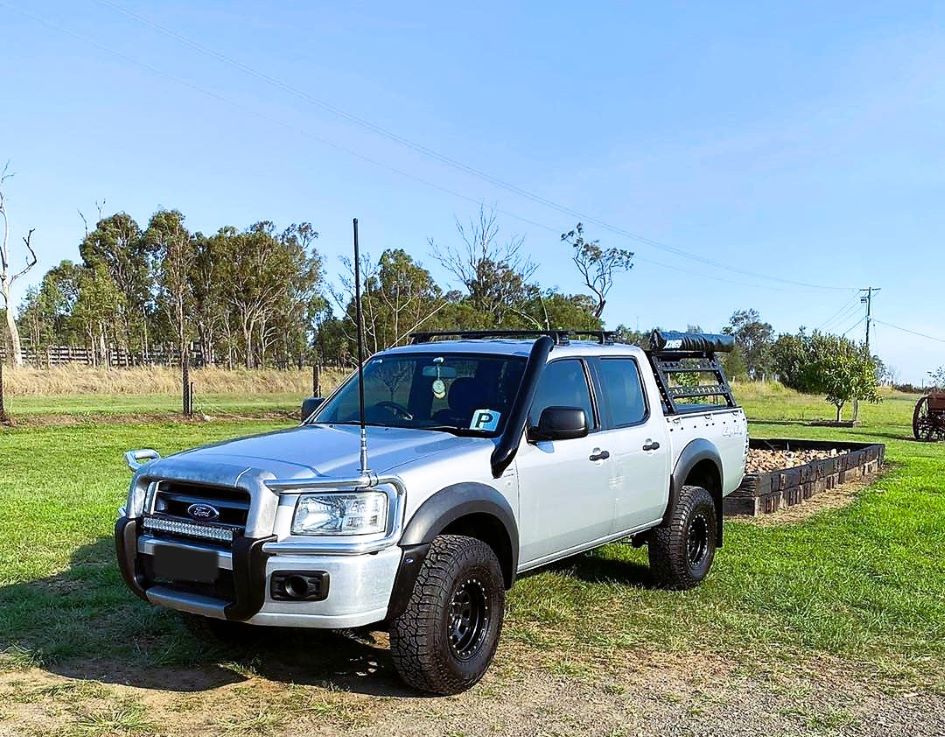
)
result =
(490, 454)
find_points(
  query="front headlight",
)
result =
(360, 513)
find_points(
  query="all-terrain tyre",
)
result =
(681, 552)
(446, 638)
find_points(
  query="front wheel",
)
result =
(682, 552)
(446, 638)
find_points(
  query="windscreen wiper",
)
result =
(462, 431)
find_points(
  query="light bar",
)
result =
(204, 532)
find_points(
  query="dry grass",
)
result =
(72, 380)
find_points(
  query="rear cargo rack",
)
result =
(560, 337)
(673, 354)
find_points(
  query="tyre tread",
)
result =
(667, 543)
(413, 647)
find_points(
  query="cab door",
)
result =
(565, 495)
(636, 436)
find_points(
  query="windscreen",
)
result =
(459, 393)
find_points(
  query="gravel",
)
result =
(764, 461)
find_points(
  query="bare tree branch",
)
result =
(597, 265)
(30, 257)
(495, 274)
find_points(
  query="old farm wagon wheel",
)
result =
(928, 419)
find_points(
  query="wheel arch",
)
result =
(469, 508)
(699, 464)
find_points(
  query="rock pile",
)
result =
(765, 461)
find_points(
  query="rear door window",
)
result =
(622, 388)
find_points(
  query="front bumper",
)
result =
(359, 594)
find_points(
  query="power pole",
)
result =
(867, 299)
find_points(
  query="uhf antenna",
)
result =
(360, 318)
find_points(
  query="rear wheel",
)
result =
(446, 638)
(681, 552)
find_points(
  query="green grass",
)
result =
(865, 583)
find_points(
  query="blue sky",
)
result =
(801, 142)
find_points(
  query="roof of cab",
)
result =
(516, 347)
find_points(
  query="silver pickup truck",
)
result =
(490, 455)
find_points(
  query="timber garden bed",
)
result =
(808, 467)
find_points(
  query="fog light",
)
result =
(298, 585)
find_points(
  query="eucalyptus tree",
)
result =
(99, 305)
(597, 265)
(119, 246)
(755, 339)
(399, 296)
(494, 271)
(175, 256)
(264, 275)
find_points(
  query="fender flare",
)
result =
(454, 502)
(695, 452)
(434, 515)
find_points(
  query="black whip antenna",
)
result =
(360, 318)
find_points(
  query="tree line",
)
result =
(842, 370)
(259, 296)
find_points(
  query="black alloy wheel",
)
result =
(469, 618)
(697, 541)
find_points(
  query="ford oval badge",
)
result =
(203, 512)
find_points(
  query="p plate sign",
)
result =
(485, 420)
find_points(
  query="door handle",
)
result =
(599, 455)
(651, 445)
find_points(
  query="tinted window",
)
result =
(562, 384)
(470, 394)
(623, 391)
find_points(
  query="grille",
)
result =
(169, 516)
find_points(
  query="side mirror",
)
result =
(310, 405)
(559, 423)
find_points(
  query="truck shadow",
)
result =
(598, 567)
(83, 623)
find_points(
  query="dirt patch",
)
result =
(649, 693)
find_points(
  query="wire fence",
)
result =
(118, 357)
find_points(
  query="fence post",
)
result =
(4, 420)
(185, 382)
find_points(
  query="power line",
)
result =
(447, 160)
(842, 318)
(853, 327)
(911, 332)
(840, 314)
(306, 133)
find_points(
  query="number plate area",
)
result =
(185, 564)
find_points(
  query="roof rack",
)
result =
(560, 337)
(673, 353)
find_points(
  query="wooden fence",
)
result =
(117, 357)
(113, 356)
